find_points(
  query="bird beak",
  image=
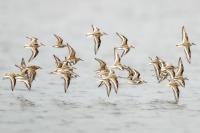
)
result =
(194, 44)
(150, 58)
(186, 78)
(51, 73)
(105, 33)
(42, 44)
(76, 75)
(28, 37)
(178, 45)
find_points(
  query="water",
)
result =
(153, 26)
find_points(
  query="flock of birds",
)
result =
(106, 73)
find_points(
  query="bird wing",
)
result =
(27, 83)
(59, 39)
(176, 92)
(93, 28)
(184, 35)
(33, 75)
(136, 75)
(34, 54)
(117, 58)
(72, 52)
(123, 39)
(180, 70)
(187, 53)
(97, 40)
(157, 71)
(57, 61)
(100, 84)
(101, 62)
(67, 80)
(131, 73)
(115, 83)
(23, 63)
(108, 87)
(12, 82)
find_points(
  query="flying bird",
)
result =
(12, 77)
(59, 42)
(186, 44)
(124, 45)
(33, 45)
(97, 34)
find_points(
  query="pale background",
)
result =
(154, 26)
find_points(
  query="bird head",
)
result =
(104, 33)
(132, 46)
(36, 67)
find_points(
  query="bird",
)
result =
(131, 73)
(97, 34)
(134, 76)
(12, 77)
(169, 69)
(28, 70)
(180, 81)
(33, 45)
(175, 87)
(58, 62)
(72, 58)
(66, 75)
(59, 42)
(32, 71)
(112, 78)
(163, 74)
(64, 68)
(103, 66)
(62, 64)
(180, 70)
(186, 44)
(117, 63)
(124, 45)
(179, 74)
(156, 66)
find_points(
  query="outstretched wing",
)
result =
(188, 53)
(97, 40)
(59, 39)
(72, 52)
(184, 35)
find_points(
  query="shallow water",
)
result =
(153, 26)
